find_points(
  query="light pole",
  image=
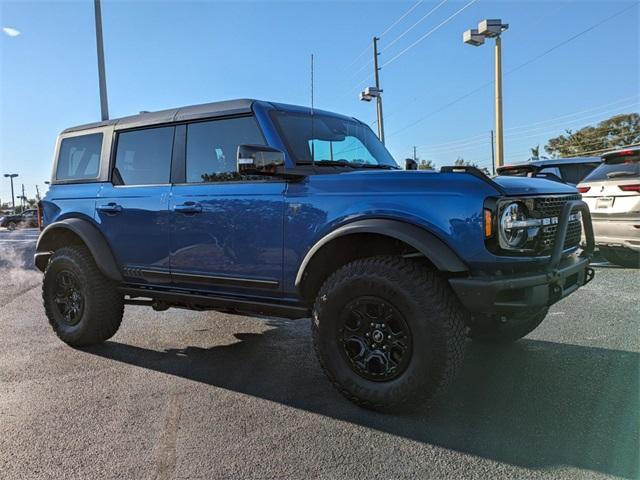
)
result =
(492, 28)
(13, 200)
(375, 92)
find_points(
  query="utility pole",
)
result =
(415, 158)
(370, 93)
(376, 72)
(24, 199)
(104, 109)
(13, 198)
(493, 156)
(37, 193)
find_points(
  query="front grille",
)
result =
(551, 207)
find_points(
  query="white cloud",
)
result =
(12, 32)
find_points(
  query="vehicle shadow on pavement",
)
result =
(533, 404)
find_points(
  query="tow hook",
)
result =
(159, 306)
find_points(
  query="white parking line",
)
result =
(15, 240)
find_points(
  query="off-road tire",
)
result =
(429, 308)
(513, 329)
(624, 257)
(103, 305)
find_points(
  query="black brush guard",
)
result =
(561, 277)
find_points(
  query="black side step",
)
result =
(199, 301)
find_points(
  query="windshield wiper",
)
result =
(373, 165)
(346, 163)
(337, 163)
(621, 174)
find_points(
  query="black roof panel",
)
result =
(205, 110)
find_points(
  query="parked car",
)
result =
(567, 170)
(612, 192)
(254, 207)
(26, 219)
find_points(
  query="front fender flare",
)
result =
(425, 242)
(90, 236)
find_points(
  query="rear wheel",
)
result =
(507, 329)
(11, 226)
(388, 332)
(624, 257)
(82, 305)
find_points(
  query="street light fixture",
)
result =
(13, 200)
(492, 28)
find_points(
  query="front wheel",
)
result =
(507, 329)
(389, 333)
(11, 226)
(82, 305)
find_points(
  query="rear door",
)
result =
(226, 229)
(133, 210)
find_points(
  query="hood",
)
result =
(409, 181)
(533, 186)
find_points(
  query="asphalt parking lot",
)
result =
(182, 394)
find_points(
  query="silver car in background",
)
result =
(612, 192)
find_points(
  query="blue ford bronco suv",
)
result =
(254, 207)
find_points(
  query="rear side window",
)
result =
(143, 157)
(212, 148)
(575, 173)
(79, 157)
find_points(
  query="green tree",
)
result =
(461, 162)
(426, 165)
(535, 152)
(615, 132)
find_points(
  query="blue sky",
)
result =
(166, 54)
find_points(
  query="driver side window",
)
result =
(212, 148)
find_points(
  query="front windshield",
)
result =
(326, 139)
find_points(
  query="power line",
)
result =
(537, 57)
(585, 144)
(570, 39)
(358, 57)
(469, 139)
(433, 30)
(548, 128)
(517, 127)
(584, 154)
(424, 17)
(416, 5)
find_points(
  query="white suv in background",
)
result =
(612, 192)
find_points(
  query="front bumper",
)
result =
(561, 277)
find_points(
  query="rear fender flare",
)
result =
(89, 235)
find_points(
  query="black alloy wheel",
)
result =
(68, 297)
(376, 339)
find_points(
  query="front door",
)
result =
(133, 210)
(226, 230)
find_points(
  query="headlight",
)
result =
(517, 230)
(513, 231)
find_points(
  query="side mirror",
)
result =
(410, 164)
(259, 160)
